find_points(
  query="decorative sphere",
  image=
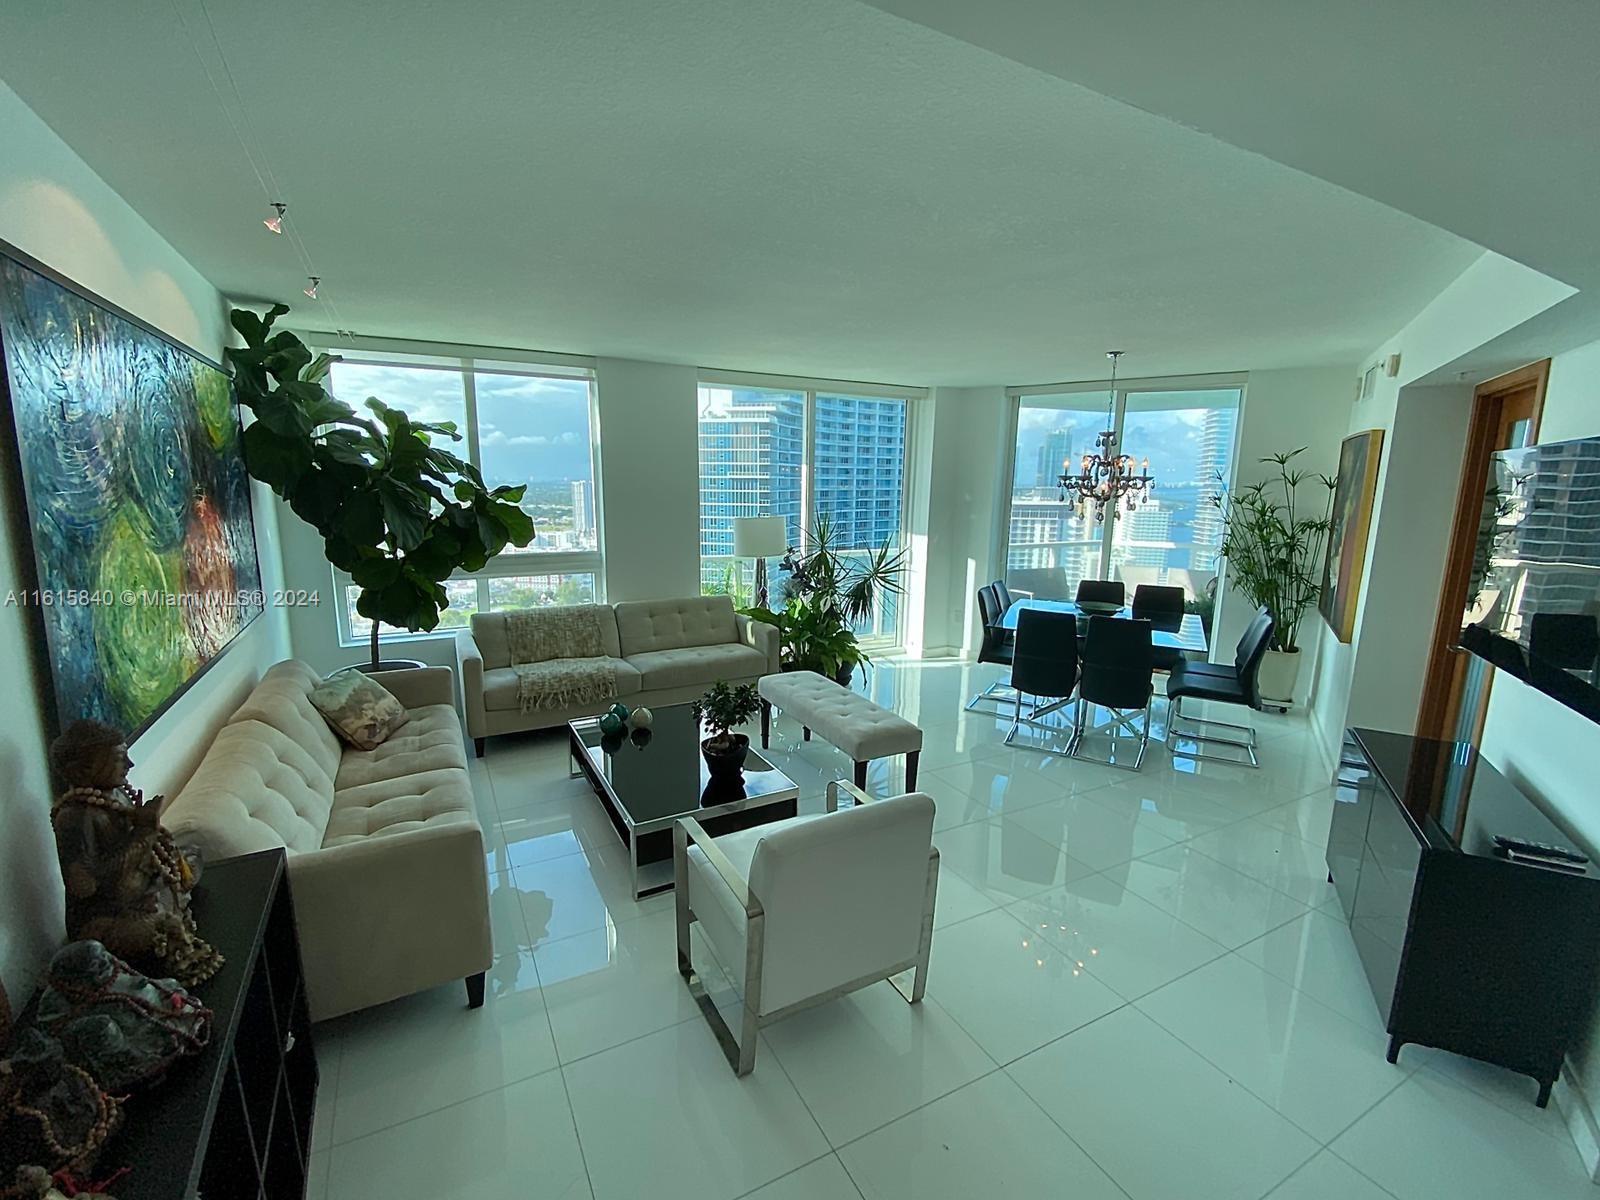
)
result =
(640, 738)
(620, 711)
(610, 723)
(611, 742)
(642, 718)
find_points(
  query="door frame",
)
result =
(1438, 714)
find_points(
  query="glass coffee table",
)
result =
(644, 789)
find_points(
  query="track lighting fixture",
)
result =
(275, 221)
(312, 290)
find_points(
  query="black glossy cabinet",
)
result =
(1464, 950)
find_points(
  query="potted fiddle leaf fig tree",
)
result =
(721, 710)
(396, 510)
(1272, 540)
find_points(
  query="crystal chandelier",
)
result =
(1106, 477)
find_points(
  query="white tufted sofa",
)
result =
(664, 652)
(385, 854)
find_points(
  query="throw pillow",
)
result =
(359, 709)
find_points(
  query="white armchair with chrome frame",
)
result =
(805, 910)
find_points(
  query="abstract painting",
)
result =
(136, 493)
(1352, 520)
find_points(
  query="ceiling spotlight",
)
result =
(275, 221)
(312, 290)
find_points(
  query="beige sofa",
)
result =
(664, 651)
(385, 854)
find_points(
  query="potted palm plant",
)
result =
(826, 593)
(1273, 547)
(721, 710)
(395, 509)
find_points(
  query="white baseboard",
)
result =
(1583, 1123)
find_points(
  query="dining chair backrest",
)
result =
(1156, 600)
(995, 639)
(1570, 641)
(1117, 663)
(1250, 653)
(1102, 591)
(1045, 658)
(1004, 594)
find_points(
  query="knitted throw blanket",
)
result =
(558, 657)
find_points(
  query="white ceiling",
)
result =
(1478, 116)
(816, 188)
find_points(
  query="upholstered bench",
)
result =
(845, 719)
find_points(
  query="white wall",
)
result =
(1379, 684)
(967, 448)
(649, 478)
(56, 209)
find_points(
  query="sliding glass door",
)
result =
(1188, 434)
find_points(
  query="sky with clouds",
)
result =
(530, 429)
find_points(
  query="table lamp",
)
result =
(760, 538)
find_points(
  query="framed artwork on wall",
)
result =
(135, 495)
(1346, 560)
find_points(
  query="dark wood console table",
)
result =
(235, 1121)
(1464, 950)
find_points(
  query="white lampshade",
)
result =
(759, 537)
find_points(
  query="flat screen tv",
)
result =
(1533, 599)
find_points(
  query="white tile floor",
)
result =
(1140, 988)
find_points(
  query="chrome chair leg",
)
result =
(1201, 738)
(997, 692)
(1120, 719)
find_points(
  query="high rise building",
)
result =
(752, 445)
(1216, 452)
(1056, 450)
(582, 512)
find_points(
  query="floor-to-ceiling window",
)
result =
(797, 452)
(520, 423)
(1187, 431)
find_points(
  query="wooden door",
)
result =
(1455, 693)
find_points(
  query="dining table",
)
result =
(1171, 630)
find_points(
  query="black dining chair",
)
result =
(1044, 665)
(1163, 607)
(1225, 684)
(996, 646)
(1116, 674)
(1102, 591)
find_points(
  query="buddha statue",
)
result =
(127, 882)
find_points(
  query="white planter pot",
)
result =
(1279, 670)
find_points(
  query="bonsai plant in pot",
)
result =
(395, 510)
(826, 593)
(1272, 541)
(721, 710)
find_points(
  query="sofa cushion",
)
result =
(489, 632)
(283, 700)
(256, 789)
(500, 686)
(359, 709)
(646, 625)
(390, 806)
(698, 664)
(431, 741)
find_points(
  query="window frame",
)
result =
(1221, 382)
(809, 388)
(467, 366)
